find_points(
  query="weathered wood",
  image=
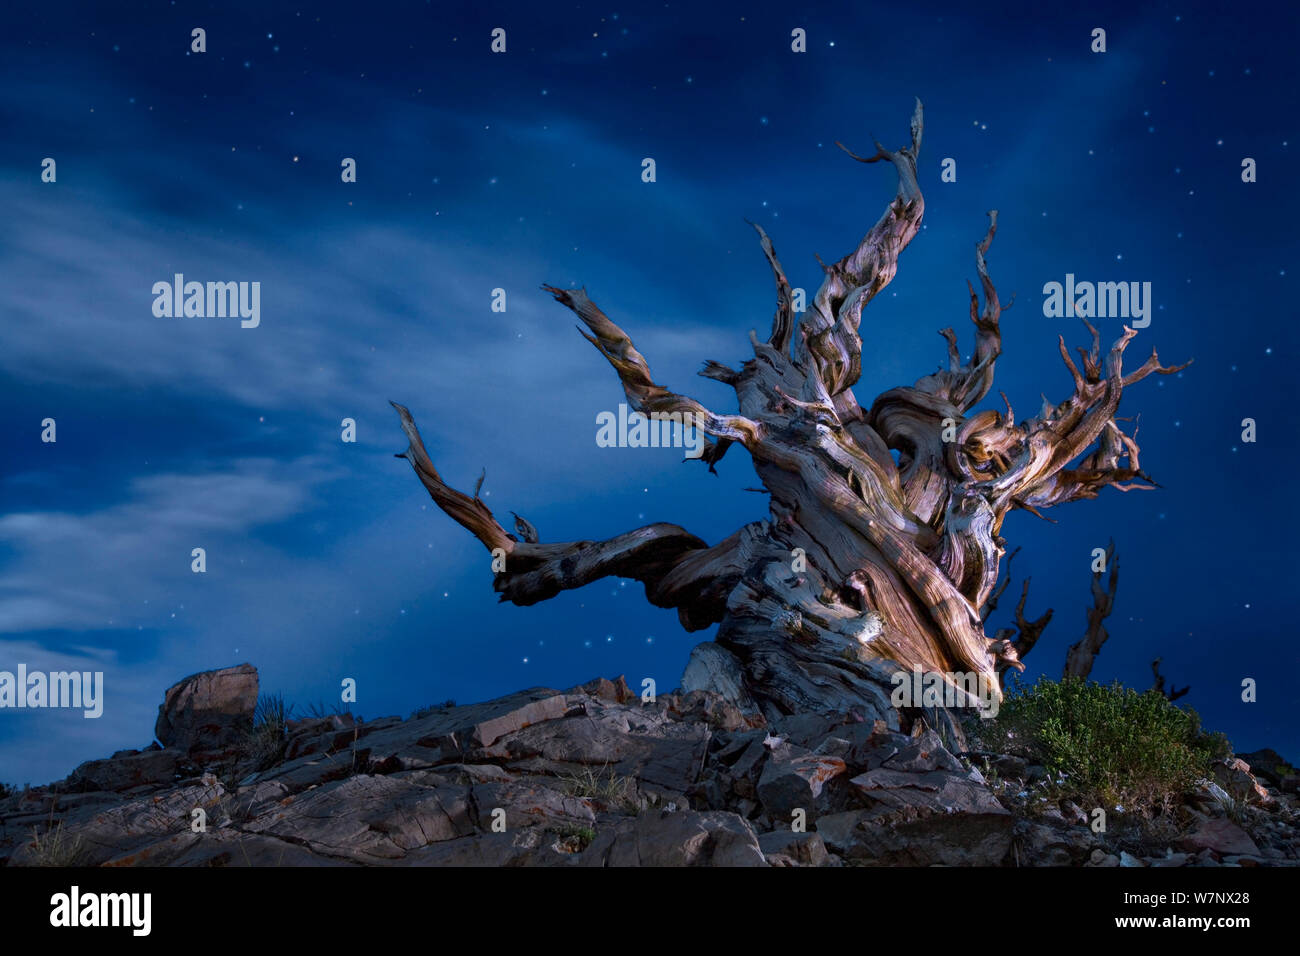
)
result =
(1083, 653)
(863, 565)
(1173, 693)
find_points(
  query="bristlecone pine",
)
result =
(863, 565)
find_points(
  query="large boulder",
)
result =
(206, 714)
(793, 779)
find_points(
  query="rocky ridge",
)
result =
(594, 776)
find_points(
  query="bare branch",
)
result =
(469, 513)
(1079, 659)
(829, 337)
(1173, 693)
(991, 604)
(1030, 631)
(642, 392)
(783, 320)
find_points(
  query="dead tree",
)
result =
(863, 565)
(1173, 693)
(1083, 653)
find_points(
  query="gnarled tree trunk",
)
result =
(863, 566)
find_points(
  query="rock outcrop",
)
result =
(593, 776)
(206, 714)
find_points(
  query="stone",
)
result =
(683, 838)
(371, 819)
(1268, 765)
(614, 691)
(532, 846)
(1042, 845)
(205, 715)
(948, 839)
(923, 753)
(800, 849)
(1220, 835)
(793, 778)
(921, 819)
(1234, 776)
(590, 777)
(806, 730)
(126, 770)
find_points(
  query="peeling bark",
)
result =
(862, 566)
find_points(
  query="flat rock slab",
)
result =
(937, 791)
(104, 834)
(957, 839)
(449, 734)
(371, 819)
(223, 848)
(145, 768)
(1220, 835)
(619, 742)
(920, 819)
(532, 846)
(682, 838)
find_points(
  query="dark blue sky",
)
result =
(479, 171)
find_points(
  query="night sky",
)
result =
(478, 171)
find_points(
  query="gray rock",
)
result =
(920, 819)
(923, 753)
(1234, 776)
(1220, 835)
(118, 773)
(447, 735)
(206, 714)
(1267, 765)
(806, 730)
(372, 819)
(684, 838)
(531, 846)
(613, 691)
(793, 779)
(801, 849)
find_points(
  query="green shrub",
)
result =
(574, 837)
(1104, 745)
